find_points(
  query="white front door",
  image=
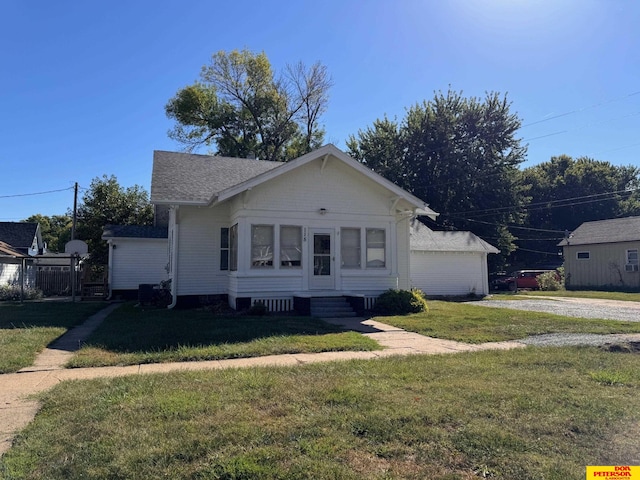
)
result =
(321, 259)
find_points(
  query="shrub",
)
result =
(258, 309)
(551, 280)
(12, 293)
(400, 302)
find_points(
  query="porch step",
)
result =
(331, 307)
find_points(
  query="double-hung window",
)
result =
(261, 246)
(376, 248)
(350, 247)
(233, 248)
(290, 246)
(224, 248)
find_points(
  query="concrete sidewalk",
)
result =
(17, 409)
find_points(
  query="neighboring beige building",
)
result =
(603, 254)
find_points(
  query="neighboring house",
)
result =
(10, 264)
(603, 254)
(320, 225)
(137, 255)
(17, 241)
(23, 237)
(449, 263)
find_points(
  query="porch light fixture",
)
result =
(322, 211)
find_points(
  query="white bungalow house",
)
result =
(322, 225)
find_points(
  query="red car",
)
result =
(518, 279)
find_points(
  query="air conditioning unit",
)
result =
(631, 267)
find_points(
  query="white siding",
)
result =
(449, 273)
(349, 198)
(199, 251)
(136, 261)
(9, 272)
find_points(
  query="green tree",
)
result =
(459, 154)
(104, 203)
(566, 192)
(56, 230)
(242, 108)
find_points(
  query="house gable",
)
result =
(22, 236)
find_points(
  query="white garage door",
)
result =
(444, 273)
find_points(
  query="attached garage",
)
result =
(448, 263)
(137, 255)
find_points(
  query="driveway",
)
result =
(571, 307)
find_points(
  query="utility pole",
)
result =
(75, 212)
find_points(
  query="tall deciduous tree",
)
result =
(566, 192)
(56, 230)
(459, 154)
(244, 109)
(106, 202)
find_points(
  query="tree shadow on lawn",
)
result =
(46, 314)
(132, 329)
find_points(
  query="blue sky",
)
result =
(84, 84)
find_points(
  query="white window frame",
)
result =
(295, 247)
(224, 251)
(373, 246)
(357, 249)
(233, 248)
(262, 255)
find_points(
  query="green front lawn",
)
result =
(133, 335)
(522, 414)
(27, 328)
(470, 323)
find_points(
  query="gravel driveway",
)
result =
(574, 307)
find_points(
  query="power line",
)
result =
(36, 193)
(589, 107)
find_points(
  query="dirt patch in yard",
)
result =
(624, 347)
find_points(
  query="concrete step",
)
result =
(331, 307)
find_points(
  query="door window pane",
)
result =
(322, 254)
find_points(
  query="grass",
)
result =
(475, 324)
(27, 328)
(131, 335)
(622, 296)
(526, 414)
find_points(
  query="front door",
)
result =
(321, 257)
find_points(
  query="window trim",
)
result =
(266, 263)
(358, 249)
(281, 261)
(383, 248)
(233, 248)
(224, 251)
(583, 252)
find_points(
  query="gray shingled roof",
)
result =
(424, 239)
(605, 231)
(134, 231)
(18, 234)
(195, 179)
